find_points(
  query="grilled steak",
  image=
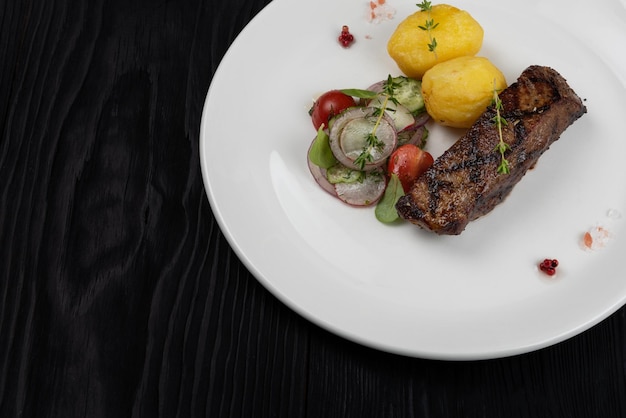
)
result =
(464, 184)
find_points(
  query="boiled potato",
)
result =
(457, 34)
(458, 91)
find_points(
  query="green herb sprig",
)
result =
(372, 140)
(429, 25)
(372, 143)
(500, 121)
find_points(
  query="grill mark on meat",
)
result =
(463, 184)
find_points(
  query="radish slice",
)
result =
(348, 138)
(363, 193)
(401, 116)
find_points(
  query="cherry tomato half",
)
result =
(408, 162)
(328, 105)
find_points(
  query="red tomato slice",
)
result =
(328, 105)
(408, 162)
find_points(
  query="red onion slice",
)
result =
(412, 136)
(422, 119)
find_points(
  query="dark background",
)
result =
(120, 297)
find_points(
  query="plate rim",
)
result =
(267, 283)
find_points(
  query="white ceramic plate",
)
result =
(398, 288)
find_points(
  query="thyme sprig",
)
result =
(372, 141)
(389, 88)
(500, 121)
(429, 25)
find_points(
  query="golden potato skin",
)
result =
(458, 91)
(457, 34)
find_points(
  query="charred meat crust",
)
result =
(463, 183)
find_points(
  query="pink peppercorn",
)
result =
(549, 266)
(345, 38)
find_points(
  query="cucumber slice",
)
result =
(339, 173)
(408, 92)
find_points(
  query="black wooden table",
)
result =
(119, 295)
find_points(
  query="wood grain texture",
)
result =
(119, 295)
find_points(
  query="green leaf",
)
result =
(361, 94)
(432, 46)
(386, 208)
(320, 153)
(425, 6)
(503, 168)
